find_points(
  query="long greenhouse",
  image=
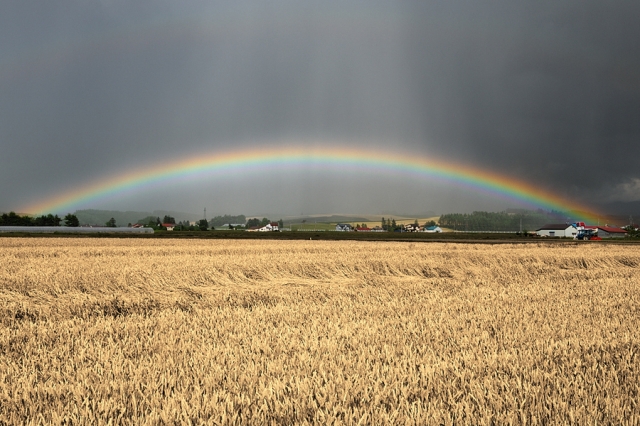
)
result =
(75, 230)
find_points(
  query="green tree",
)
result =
(430, 223)
(169, 219)
(111, 223)
(71, 220)
(203, 224)
(146, 220)
(227, 219)
(383, 224)
(632, 231)
(253, 222)
(280, 224)
(264, 221)
(48, 220)
(13, 219)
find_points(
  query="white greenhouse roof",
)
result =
(74, 230)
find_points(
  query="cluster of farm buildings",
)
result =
(269, 227)
(559, 230)
(562, 230)
(571, 230)
(341, 227)
(345, 227)
(551, 230)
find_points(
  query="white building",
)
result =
(270, 227)
(557, 230)
(433, 229)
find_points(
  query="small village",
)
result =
(577, 230)
(581, 231)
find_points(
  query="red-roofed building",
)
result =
(169, 226)
(608, 231)
(363, 229)
(269, 227)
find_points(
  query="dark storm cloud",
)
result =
(548, 92)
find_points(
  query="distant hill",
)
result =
(624, 208)
(99, 217)
(325, 219)
(428, 213)
(363, 218)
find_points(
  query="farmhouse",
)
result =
(363, 229)
(169, 226)
(343, 227)
(557, 230)
(269, 227)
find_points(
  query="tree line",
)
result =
(227, 220)
(14, 219)
(498, 221)
(240, 222)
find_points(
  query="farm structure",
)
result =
(558, 230)
(608, 231)
(574, 229)
(269, 227)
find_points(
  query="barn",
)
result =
(609, 231)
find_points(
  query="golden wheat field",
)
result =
(136, 331)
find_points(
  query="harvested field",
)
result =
(317, 332)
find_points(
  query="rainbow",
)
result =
(256, 160)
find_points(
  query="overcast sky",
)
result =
(547, 91)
